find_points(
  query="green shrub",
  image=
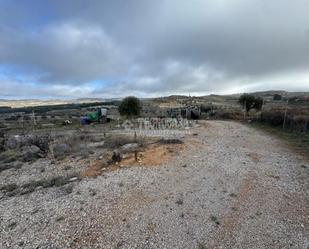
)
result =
(130, 106)
(249, 101)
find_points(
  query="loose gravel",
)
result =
(230, 187)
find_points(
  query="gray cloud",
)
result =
(160, 47)
(69, 52)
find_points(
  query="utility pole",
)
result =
(285, 113)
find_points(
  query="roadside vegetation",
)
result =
(289, 123)
(296, 139)
(130, 107)
(249, 101)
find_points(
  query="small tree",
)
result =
(130, 106)
(249, 101)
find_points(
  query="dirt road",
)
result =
(230, 186)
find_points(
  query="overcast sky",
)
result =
(114, 48)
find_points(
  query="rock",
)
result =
(96, 144)
(17, 141)
(31, 153)
(12, 142)
(127, 148)
(73, 179)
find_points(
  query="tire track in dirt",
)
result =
(230, 220)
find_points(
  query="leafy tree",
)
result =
(130, 106)
(249, 101)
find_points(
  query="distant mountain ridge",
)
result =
(37, 102)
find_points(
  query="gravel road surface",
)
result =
(231, 186)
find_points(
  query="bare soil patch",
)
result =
(155, 154)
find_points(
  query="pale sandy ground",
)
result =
(230, 186)
(36, 102)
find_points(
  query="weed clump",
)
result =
(8, 187)
(214, 219)
(58, 181)
(170, 141)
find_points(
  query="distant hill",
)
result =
(281, 92)
(36, 102)
(168, 100)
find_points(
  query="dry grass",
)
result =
(74, 144)
(297, 141)
(14, 189)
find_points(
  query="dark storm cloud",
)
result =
(159, 47)
(68, 52)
